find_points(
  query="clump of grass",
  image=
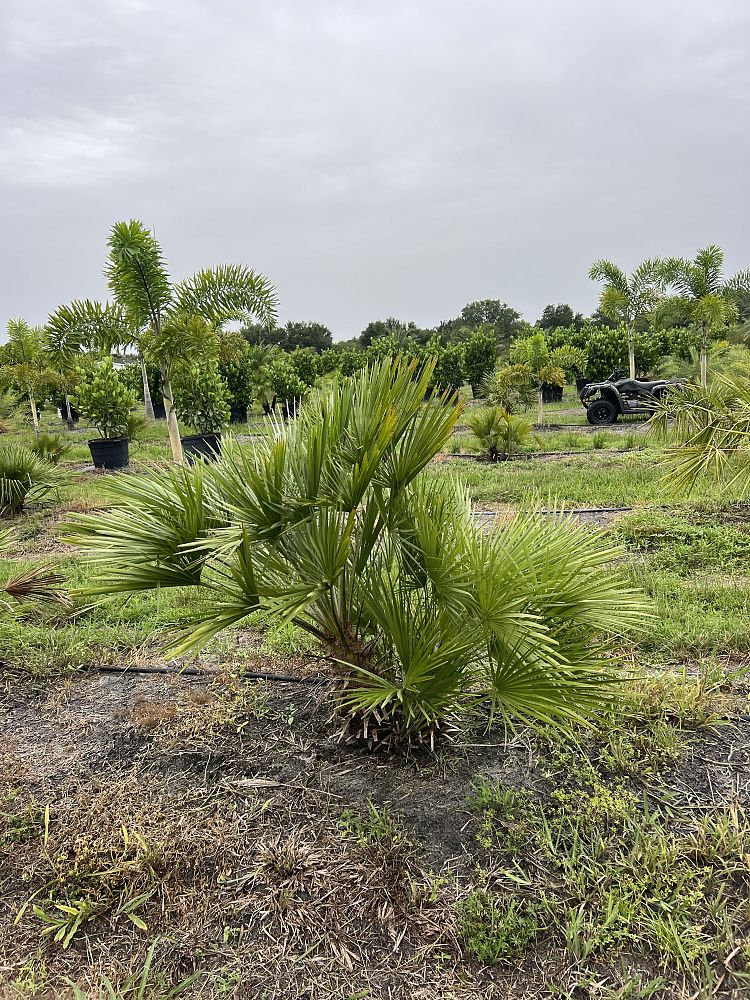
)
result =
(493, 928)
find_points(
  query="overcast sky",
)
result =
(398, 157)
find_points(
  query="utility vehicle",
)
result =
(622, 396)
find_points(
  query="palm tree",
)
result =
(627, 299)
(532, 357)
(710, 297)
(709, 431)
(26, 365)
(332, 523)
(168, 322)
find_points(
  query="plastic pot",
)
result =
(109, 453)
(201, 446)
(238, 414)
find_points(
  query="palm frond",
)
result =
(228, 292)
(137, 275)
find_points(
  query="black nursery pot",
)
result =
(238, 414)
(109, 453)
(201, 446)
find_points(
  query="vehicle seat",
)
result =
(635, 385)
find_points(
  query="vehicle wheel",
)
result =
(602, 412)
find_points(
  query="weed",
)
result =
(503, 813)
(375, 827)
(494, 929)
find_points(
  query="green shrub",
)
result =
(202, 399)
(103, 399)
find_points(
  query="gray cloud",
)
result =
(372, 159)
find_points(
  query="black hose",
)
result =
(261, 675)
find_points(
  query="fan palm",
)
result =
(40, 583)
(24, 477)
(159, 316)
(709, 431)
(627, 299)
(332, 523)
(710, 298)
(499, 435)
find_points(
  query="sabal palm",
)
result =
(332, 523)
(708, 294)
(626, 298)
(157, 315)
(709, 431)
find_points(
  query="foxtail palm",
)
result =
(542, 366)
(627, 299)
(709, 296)
(709, 432)
(169, 323)
(26, 365)
(333, 524)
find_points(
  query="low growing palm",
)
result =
(332, 523)
(24, 477)
(40, 583)
(498, 434)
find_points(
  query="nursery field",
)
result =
(205, 826)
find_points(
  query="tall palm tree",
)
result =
(709, 296)
(627, 299)
(168, 322)
(26, 365)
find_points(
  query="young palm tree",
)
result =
(626, 298)
(542, 366)
(167, 322)
(41, 583)
(710, 298)
(709, 431)
(26, 365)
(332, 523)
(499, 435)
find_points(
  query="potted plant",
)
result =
(105, 402)
(202, 402)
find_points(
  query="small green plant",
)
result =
(50, 447)
(494, 929)
(504, 815)
(103, 399)
(24, 478)
(135, 425)
(375, 827)
(498, 434)
(599, 440)
(202, 399)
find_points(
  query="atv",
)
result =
(618, 395)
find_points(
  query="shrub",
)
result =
(103, 399)
(24, 477)
(202, 399)
(50, 447)
(332, 524)
(499, 435)
(480, 354)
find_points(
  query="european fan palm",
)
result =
(709, 430)
(168, 322)
(332, 523)
(709, 296)
(24, 477)
(626, 298)
(499, 435)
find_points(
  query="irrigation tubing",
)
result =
(256, 675)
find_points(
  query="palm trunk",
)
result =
(631, 351)
(68, 415)
(540, 405)
(34, 414)
(172, 425)
(147, 403)
(704, 356)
